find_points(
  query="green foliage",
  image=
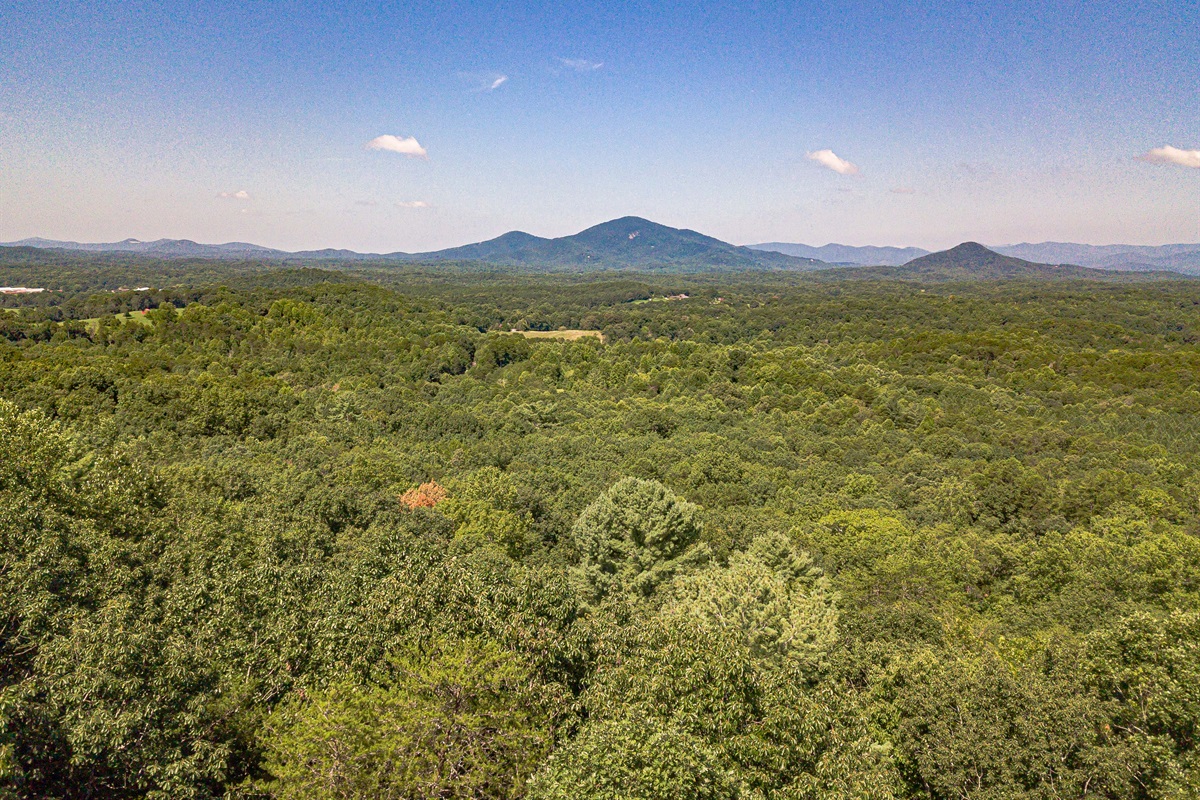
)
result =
(634, 537)
(634, 759)
(454, 720)
(730, 659)
(500, 351)
(772, 595)
(978, 726)
(95, 691)
(1148, 666)
(210, 585)
(485, 505)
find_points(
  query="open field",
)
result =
(662, 299)
(569, 336)
(93, 323)
(135, 316)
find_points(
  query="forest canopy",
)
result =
(299, 533)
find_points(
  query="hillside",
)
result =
(1183, 258)
(171, 248)
(636, 243)
(973, 261)
(625, 243)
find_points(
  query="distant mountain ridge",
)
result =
(625, 243)
(1122, 257)
(1183, 258)
(619, 244)
(164, 247)
(846, 254)
(636, 243)
(971, 261)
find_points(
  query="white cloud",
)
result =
(483, 81)
(367, 203)
(827, 159)
(903, 190)
(241, 194)
(581, 64)
(412, 204)
(1173, 155)
(394, 144)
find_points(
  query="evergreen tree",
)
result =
(635, 537)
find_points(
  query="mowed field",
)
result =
(569, 336)
(93, 323)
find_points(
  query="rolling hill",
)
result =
(636, 243)
(1183, 258)
(972, 261)
(170, 248)
(625, 243)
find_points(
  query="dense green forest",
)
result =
(304, 534)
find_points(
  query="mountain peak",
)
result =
(636, 242)
(622, 243)
(516, 238)
(629, 220)
(971, 260)
(970, 250)
(629, 228)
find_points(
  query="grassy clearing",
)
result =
(93, 323)
(570, 336)
(665, 299)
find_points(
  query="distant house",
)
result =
(19, 290)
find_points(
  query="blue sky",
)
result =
(998, 122)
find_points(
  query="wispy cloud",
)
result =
(1173, 155)
(829, 160)
(412, 204)
(368, 203)
(407, 146)
(241, 194)
(581, 64)
(903, 190)
(484, 81)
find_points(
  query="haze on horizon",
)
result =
(420, 127)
